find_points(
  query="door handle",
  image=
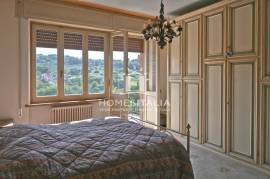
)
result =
(229, 53)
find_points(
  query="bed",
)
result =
(94, 148)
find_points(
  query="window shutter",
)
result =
(95, 43)
(46, 38)
(73, 41)
(118, 43)
(134, 44)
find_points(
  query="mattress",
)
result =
(97, 148)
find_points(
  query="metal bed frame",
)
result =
(188, 127)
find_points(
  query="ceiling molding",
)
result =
(100, 7)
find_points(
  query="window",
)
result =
(96, 64)
(118, 65)
(73, 64)
(67, 64)
(135, 65)
(135, 50)
(46, 63)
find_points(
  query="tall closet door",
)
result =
(192, 75)
(242, 28)
(192, 47)
(214, 104)
(214, 25)
(242, 108)
(174, 112)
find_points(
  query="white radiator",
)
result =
(71, 113)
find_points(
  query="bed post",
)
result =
(188, 139)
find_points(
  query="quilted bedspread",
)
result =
(98, 148)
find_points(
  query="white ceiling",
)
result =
(151, 7)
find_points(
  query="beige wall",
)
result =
(9, 60)
(14, 49)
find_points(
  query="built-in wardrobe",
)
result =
(219, 78)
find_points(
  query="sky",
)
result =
(94, 54)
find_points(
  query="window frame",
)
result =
(126, 35)
(60, 97)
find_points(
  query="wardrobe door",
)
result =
(214, 104)
(242, 28)
(175, 59)
(242, 123)
(175, 112)
(192, 106)
(214, 34)
(266, 114)
(192, 46)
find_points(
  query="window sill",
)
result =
(66, 103)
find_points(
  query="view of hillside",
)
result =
(46, 75)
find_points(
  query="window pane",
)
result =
(96, 72)
(118, 72)
(46, 71)
(73, 72)
(118, 65)
(134, 71)
(151, 67)
(96, 64)
(73, 64)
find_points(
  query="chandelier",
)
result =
(162, 30)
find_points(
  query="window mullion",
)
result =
(85, 64)
(126, 62)
(60, 48)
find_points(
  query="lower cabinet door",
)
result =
(242, 87)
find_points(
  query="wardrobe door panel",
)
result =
(192, 107)
(175, 103)
(214, 105)
(242, 113)
(175, 57)
(192, 48)
(242, 27)
(214, 28)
